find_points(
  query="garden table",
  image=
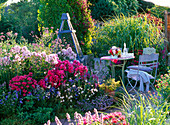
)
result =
(122, 65)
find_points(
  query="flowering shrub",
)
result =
(163, 86)
(63, 71)
(115, 118)
(36, 62)
(25, 84)
(152, 19)
(36, 57)
(70, 82)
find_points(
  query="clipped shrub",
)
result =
(50, 16)
(137, 33)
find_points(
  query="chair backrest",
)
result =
(149, 50)
(149, 60)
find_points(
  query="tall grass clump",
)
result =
(136, 32)
(145, 110)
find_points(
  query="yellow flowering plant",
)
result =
(110, 85)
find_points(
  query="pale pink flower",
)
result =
(16, 34)
(57, 121)
(8, 33)
(48, 122)
(68, 117)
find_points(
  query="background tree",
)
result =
(109, 8)
(26, 13)
(144, 5)
(2, 6)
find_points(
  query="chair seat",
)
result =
(134, 75)
(142, 68)
(141, 76)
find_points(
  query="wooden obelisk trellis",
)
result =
(65, 16)
(167, 28)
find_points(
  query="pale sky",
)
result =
(158, 2)
(161, 2)
(12, 1)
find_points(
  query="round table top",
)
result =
(119, 58)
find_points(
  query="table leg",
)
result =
(113, 71)
(123, 71)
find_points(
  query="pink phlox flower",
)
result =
(33, 86)
(17, 58)
(42, 83)
(24, 91)
(30, 74)
(29, 78)
(62, 67)
(24, 83)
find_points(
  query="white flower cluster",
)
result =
(21, 53)
(67, 53)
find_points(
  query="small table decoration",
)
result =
(115, 52)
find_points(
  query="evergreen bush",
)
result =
(144, 5)
(105, 8)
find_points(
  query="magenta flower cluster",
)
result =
(62, 72)
(26, 84)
